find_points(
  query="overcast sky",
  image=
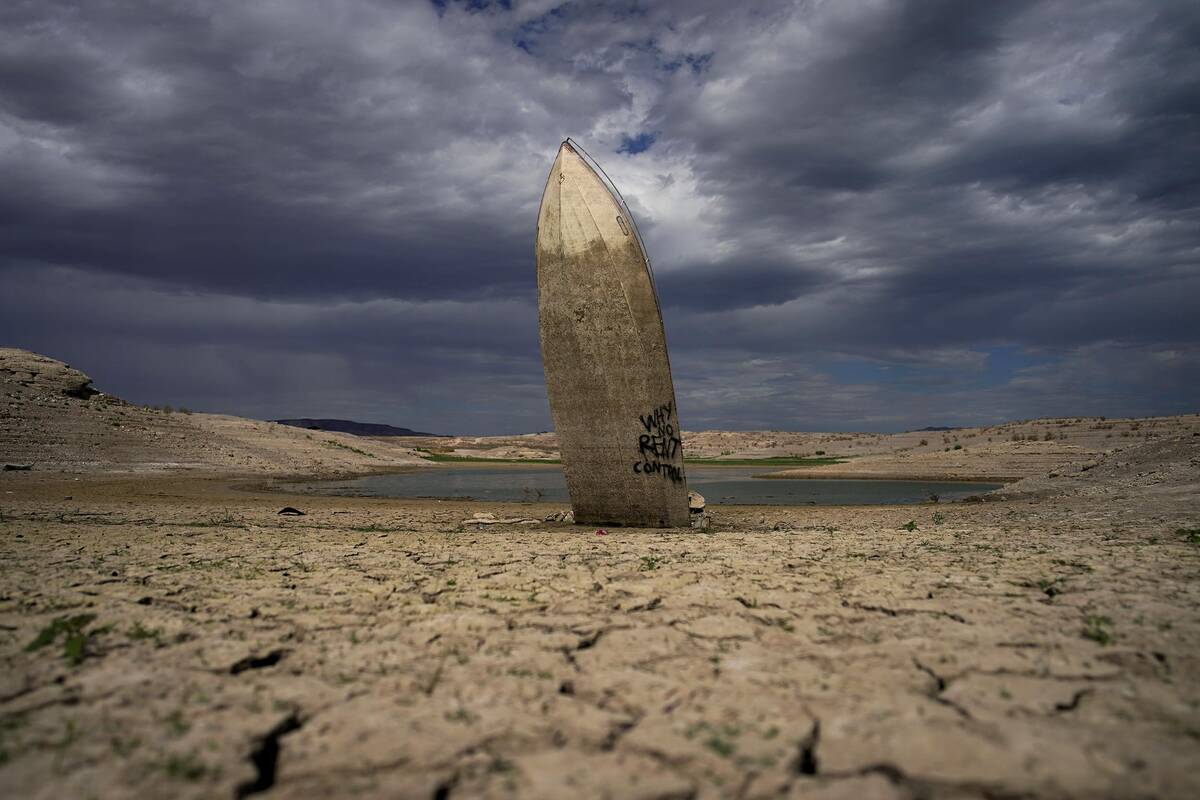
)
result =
(861, 215)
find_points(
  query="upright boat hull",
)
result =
(605, 356)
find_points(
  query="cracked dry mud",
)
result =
(1040, 646)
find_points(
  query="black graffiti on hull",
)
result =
(659, 445)
(658, 468)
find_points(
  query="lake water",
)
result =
(719, 485)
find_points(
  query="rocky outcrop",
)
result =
(43, 375)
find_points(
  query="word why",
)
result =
(659, 445)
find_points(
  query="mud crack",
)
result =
(265, 757)
(1073, 703)
(905, 612)
(257, 662)
(806, 760)
(940, 685)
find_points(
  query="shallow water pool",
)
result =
(719, 485)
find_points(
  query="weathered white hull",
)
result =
(605, 356)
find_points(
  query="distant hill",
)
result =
(349, 426)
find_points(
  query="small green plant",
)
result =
(176, 722)
(1190, 535)
(461, 715)
(909, 526)
(140, 632)
(717, 738)
(1096, 628)
(125, 747)
(1046, 584)
(721, 747)
(938, 517)
(650, 563)
(185, 767)
(75, 638)
(8, 728)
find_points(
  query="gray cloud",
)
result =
(861, 214)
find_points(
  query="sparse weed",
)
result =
(185, 766)
(909, 526)
(339, 445)
(1190, 535)
(125, 747)
(718, 738)
(8, 727)
(75, 638)
(650, 563)
(1096, 628)
(720, 746)
(176, 723)
(140, 632)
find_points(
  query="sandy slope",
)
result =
(1043, 645)
(50, 430)
(1009, 451)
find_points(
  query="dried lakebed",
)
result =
(721, 485)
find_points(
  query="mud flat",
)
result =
(170, 635)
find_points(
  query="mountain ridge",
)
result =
(352, 427)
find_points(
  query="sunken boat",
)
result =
(604, 352)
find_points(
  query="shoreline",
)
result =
(877, 476)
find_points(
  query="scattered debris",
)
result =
(698, 519)
(17, 467)
(567, 516)
(601, 532)
(492, 519)
(291, 512)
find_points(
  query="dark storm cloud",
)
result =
(861, 214)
